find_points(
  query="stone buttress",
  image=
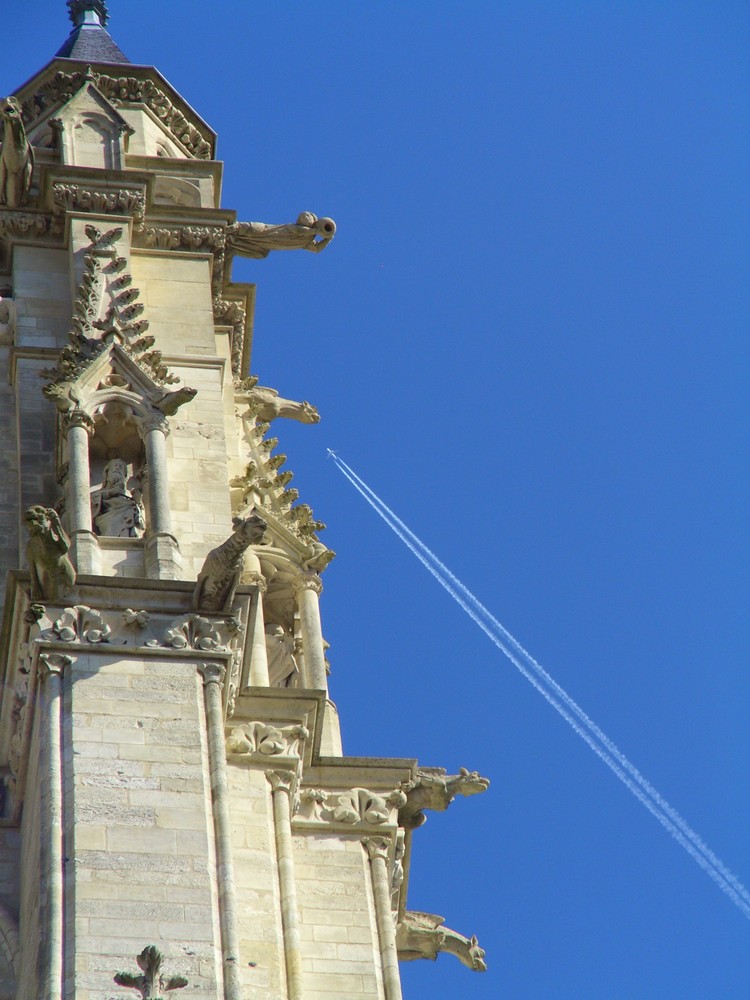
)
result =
(174, 781)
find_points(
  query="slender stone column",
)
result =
(79, 428)
(213, 676)
(51, 668)
(281, 785)
(377, 851)
(258, 672)
(161, 551)
(307, 588)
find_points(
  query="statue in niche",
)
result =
(116, 511)
(257, 239)
(283, 670)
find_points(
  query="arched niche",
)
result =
(117, 472)
(96, 142)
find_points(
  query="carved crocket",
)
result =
(16, 158)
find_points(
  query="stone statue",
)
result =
(16, 158)
(283, 670)
(51, 571)
(218, 580)
(267, 404)
(257, 239)
(117, 513)
(434, 789)
(423, 935)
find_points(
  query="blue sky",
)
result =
(530, 337)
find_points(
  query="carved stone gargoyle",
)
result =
(434, 789)
(267, 405)
(51, 571)
(218, 580)
(257, 239)
(17, 157)
(151, 984)
(423, 935)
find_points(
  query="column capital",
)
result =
(308, 581)
(376, 847)
(252, 578)
(212, 673)
(281, 780)
(53, 664)
(78, 418)
(152, 420)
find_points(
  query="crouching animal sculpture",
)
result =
(51, 571)
(17, 157)
(423, 935)
(218, 580)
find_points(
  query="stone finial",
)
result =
(151, 983)
(78, 9)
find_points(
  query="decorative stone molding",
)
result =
(190, 237)
(119, 201)
(434, 789)
(232, 313)
(81, 624)
(119, 89)
(284, 781)
(151, 983)
(191, 632)
(53, 664)
(136, 619)
(259, 739)
(23, 224)
(353, 807)
(422, 935)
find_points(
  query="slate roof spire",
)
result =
(89, 41)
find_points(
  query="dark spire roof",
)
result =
(89, 41)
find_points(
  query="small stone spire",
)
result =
(87, 12)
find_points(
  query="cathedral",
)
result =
(178, 812)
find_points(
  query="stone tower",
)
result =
(174, 780)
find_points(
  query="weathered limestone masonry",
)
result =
(174, 786)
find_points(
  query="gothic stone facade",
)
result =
(173, 771)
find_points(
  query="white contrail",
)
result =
(507, 637)
(640, 788)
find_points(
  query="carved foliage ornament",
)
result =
(118, 89)
(151, 983)
(122, 201)
(91, 333)
(355, 806)
(260, 738)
